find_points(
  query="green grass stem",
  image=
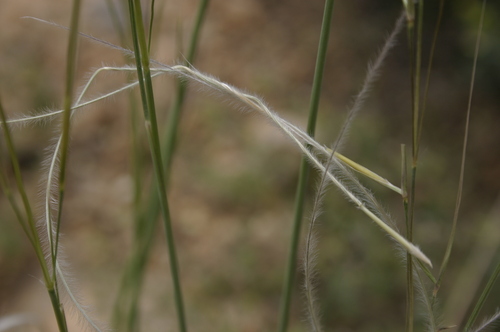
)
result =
(304, 170)
(125, 311)
(429, 72)
(409, 260)
(29, 225)
(146, 220)
(58, 309)
(151, 21)
(30, 228)
(12, 201)
(416, 85)
(458, 201)
(415, 47)
(65, 129)
(144, 75)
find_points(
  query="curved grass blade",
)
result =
(451, 238)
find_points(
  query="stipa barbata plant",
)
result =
(331, 165)
(247, 101)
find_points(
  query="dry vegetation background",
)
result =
(234, 175)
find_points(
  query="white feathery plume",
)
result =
(299, 137)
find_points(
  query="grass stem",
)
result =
(304, 170)
(458, 201)
(415, 47)
(146, 220)
(63, 152)
(30, 229)
(144, 75)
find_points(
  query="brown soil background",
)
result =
(234, 175)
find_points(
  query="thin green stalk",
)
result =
(58, 310)
(429, 70)
(416, 73)
(483, 297)
(144, 74)
(410, 292)
(146, 220)
(424, 101)
(416, 85)
(415, 46)
(30, 228)
(451, 239)
(17, 211)
(409, 259)
(125, 313)
(68, 96)
(404, 175)
(304, 169)
(151, 20)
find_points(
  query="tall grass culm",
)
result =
(152, 200)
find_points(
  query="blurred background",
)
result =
(234, 175)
